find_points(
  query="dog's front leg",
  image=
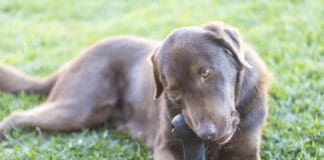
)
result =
(165, 154)
(167, 151)
(166, 146)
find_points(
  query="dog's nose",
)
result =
(207, 131)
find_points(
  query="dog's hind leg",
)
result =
(13, 81)
(56, 116)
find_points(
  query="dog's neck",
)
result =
(172, 109)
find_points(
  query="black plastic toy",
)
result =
(193, 146)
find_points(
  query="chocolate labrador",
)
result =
(206, 72)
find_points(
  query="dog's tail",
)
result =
(13, 81)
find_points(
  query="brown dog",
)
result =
(205, 72)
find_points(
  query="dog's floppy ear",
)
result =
(230, 38)
(158, 87)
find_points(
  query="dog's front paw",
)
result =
(1, 132)
(4, 125)
(2, 137)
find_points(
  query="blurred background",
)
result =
(39, 36)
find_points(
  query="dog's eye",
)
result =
(174, 94)
(205, 72)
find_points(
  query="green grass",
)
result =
(38, 36)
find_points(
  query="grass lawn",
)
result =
(38, 36)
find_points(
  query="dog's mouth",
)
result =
(225, 138)
(230, 132)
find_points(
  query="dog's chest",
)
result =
(212, 150)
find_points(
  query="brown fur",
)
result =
(117, 80)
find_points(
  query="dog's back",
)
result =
(110, 80)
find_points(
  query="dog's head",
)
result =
(199, 70)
